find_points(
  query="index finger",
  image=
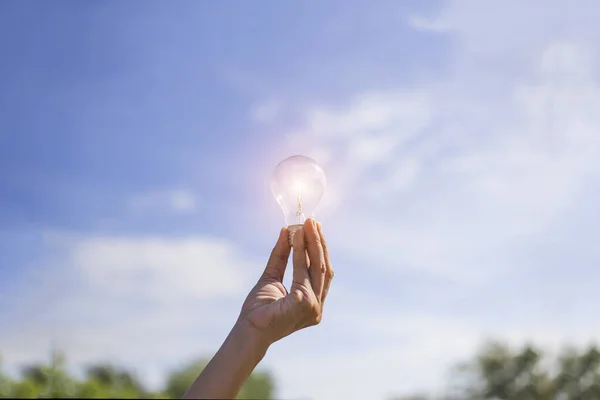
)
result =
(278, 260)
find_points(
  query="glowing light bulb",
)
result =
(298, 183)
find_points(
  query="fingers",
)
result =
(329, 273)
(317, 268)
(301, 276)
(312, 277)
(279, 257)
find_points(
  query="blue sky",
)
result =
(459, 137)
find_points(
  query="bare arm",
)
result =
(270, 312)
(225, 374)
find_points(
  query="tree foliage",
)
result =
(102, 381)
(499, 373)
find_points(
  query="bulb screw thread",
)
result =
(292, 229)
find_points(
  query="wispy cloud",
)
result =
(148, 302)
(464, 171)
(460, 207)
(467, 178)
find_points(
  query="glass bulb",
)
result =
(298, 183)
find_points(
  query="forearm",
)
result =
(231, 366)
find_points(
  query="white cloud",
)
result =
(146, 302)
(472, 178)
(158, 265)
(459, 179)
(377, 348)
(412, 354)
(462, 168)
(365, 133)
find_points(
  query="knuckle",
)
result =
(330, 273)
(317, 319)
(315, 313)
(323, 267)
(312, 310)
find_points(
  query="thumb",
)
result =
(279, 257)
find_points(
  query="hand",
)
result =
(269, 308)
(270, 313)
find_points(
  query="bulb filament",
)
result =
(299, 211)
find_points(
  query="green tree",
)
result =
(499, 373)
(5, 382)
(41, 380)
(60, 382)
(179, 380)
(579, 376)
(259, 386)
(109, 381)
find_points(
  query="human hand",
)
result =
(269, 308)
(270, 313)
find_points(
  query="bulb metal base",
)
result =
(292, 229)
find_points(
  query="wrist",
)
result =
(227, 371)
(250, 338)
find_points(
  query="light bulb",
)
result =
(298, 183)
